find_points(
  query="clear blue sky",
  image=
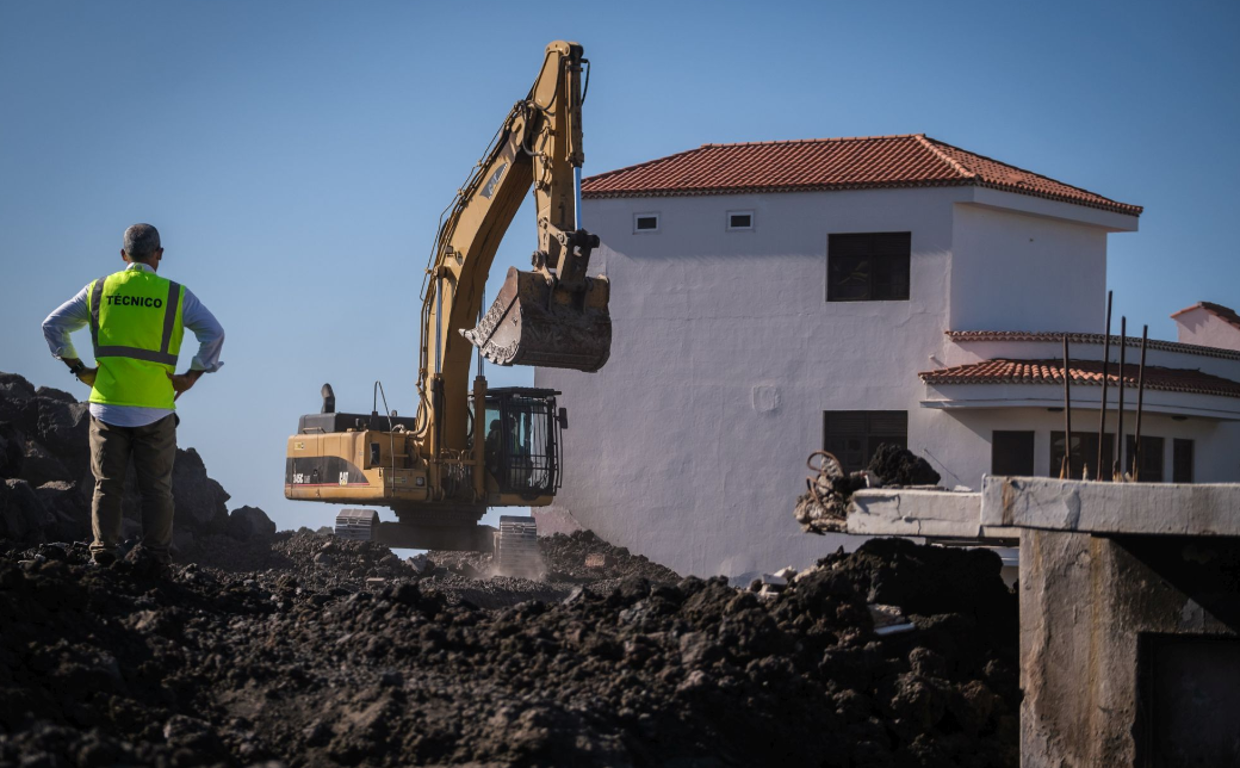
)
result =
(296, 155)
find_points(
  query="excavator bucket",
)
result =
(533, 323)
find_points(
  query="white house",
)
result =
(776, 298)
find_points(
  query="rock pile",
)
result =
(46, 483)
(894, 465)
(358, 660)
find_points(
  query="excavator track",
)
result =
(357, 524)
(516, 547)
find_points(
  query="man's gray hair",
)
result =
(141, 241)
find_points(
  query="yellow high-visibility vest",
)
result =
(135, 326)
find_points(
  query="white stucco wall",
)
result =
(1198, 326)
(1012, 271)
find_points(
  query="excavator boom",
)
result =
(469, 447)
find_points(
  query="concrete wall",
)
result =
(1013, 271)
(1085, 603)
(1198, 326)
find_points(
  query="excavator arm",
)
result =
(554, 315)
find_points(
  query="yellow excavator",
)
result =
(468, 449)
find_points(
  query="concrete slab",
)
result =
(924, 513)
(1111, 508)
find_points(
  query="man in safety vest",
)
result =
(136, 320)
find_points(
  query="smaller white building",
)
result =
(774, 299)
(1209, 325)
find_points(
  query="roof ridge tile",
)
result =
(929, 144)
(1024, 170)
(821, 140)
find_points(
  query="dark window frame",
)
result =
(868, 429)
(1153, 449)
(869, 266)
(1009, 436)
(1084, 452)
(1183, 459)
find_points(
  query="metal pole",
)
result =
(1136, 462)
(1102, 408)
(1119, 427)
(1066, 471)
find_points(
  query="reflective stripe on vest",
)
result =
(135, 345)
(138, 353)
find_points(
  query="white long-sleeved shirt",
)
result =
(74, 315)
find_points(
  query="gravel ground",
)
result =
(312, 651)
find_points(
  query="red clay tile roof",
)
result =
(1226, 314)
(1087, 372)
(1092, 338)
(832, 164)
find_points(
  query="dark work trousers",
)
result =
(154, 449)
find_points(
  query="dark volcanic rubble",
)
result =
(308, 650)
(314, 664)
(46, 484)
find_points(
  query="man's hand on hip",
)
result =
(182, 382)
(79, 369)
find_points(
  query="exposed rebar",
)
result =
(1065, 471)
(1137, 459)
(1118, 469)
(1102, 408)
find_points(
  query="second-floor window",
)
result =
(871, 266)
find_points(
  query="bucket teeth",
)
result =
(534, 323)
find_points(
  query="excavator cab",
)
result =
(522, 433)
